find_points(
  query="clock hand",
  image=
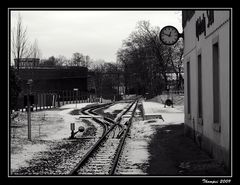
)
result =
(166, 34)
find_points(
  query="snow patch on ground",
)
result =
(170, 115)
(28, 151)
(118, 106)
(138, 147)
(48, 125)
(136, 155)
(73, 106)
(176, 98)
(172, 118)
(155, 107)
(141, 129)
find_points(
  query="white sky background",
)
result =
(98, 34)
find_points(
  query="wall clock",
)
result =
(169, 35)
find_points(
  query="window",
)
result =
(216, 89)
(188, 89)
(200, 86)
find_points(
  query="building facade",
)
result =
(207, 67)
(54, 79)
(57, 81)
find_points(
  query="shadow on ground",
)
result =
(173, 154)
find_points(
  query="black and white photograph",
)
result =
(120, 92)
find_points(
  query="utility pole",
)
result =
(29, 83)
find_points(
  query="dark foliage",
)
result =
(14, 88)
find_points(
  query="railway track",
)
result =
(103, 156)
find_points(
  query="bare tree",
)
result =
(177, 63)
(20, 45)
(147, 62)
(77, 59)
(62, 60)
(98, 70)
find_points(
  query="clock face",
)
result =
(169, 35)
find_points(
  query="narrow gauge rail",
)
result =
(102, 158)
(90, 111)
(120, 148)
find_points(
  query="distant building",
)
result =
(51, 78)
(54, 79)
(207, 80)
(27, 62)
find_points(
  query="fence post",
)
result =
(44, 101)
(77, 96)
(39, 100)
(35, 100)
(67, 93)
(53, 101)
(69, 97)
(58, 98)
(63, 97)
(66, 97)
(72, 97)
(49, 100)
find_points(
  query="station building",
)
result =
(207, 75)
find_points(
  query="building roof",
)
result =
(186, 16)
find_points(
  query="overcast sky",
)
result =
(98, 34)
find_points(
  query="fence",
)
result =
(41, 101)
(68, 97)
(56, 99)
